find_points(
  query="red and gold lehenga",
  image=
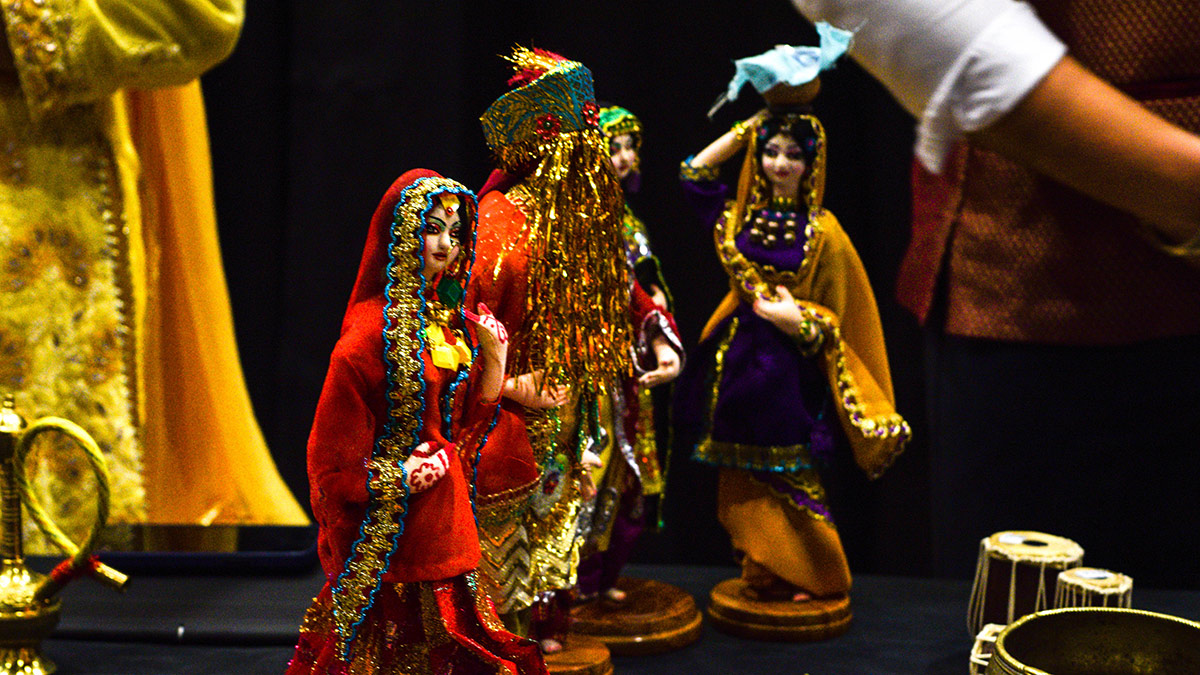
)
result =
(401, 593)
(550, 265)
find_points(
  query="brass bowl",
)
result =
(1097, 641)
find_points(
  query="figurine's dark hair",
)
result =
(801, 130)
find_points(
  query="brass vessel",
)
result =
(28, 609)
(1097, 641)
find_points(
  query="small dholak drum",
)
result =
(1091, 587)
(985, 644)
(1015, 574)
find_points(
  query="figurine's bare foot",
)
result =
(801, 596)
(615, 595)
(550, 646)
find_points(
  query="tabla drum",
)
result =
(1016, 575)
(1091, 587)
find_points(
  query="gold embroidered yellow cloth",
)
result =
(113, 306)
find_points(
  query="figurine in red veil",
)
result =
(409, 398)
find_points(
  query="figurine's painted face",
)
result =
(783, 165)
(443, 237)
(624, 154)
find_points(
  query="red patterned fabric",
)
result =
(427, 615)
(350, 416)
(1020, 257)
(445, 626)
(439, 538)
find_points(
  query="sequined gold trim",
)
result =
(751, 280)
(698, 174)
(554, 550)
(503, 506)
(111, 213)
(753, 457)
(719, 369)
(808, 482)
(849, 397)
(388, 647)
(553, 512)
(645, 445)
(387, 482)
(505, 562)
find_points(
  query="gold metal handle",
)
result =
(79, 555)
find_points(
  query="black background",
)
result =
(322, 105)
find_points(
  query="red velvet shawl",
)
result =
(439, 538)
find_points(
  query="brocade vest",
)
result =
(1016, 256)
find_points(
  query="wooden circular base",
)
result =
(581, 655)
(655, 617)
(733, 611)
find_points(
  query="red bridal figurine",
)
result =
(409, 398)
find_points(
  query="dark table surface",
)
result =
(230, 623)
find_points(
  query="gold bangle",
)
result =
(697, 174)
(810, 339)
(740, 129)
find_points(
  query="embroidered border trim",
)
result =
(387, 482)
(849, 396)
(771, 458)
(40, 41)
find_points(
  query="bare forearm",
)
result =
(1081, 131)
(491, 377)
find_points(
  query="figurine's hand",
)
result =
(658, 296)
(590, 460)
(527, 389)
(783, 312)
(493, 338)
(757, 118)
(668, 364)
(426, 466)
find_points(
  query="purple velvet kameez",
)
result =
(769, 393)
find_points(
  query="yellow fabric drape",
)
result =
(837, 292)
(205, 460)
(69, 52)
(117, 310)
(795, 546)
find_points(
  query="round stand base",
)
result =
(24, 661)
(655, 617)
(580, 655)
(733, 611)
